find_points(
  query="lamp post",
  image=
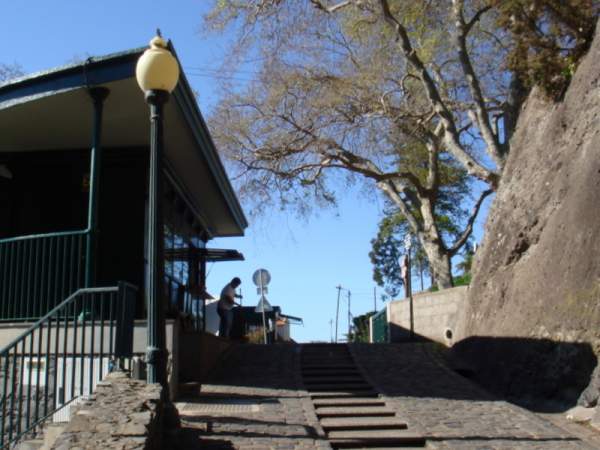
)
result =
(157, 73)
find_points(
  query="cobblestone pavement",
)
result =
(256, 402)
(453, 412)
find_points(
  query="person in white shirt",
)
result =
(225, 305)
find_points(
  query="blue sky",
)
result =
(307, 258)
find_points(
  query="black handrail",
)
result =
(63, 355)
(37, 272)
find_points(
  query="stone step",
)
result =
(30, 444)
(317, 379)
(328, 367)
(331, 374)
(314, 387)
(370, 439)
(327, 361)
(187, 390)
(354, 411)
(355, 401)
(344, 394)
(363, 423)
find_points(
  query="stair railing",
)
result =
(37, 272)
(63, 356)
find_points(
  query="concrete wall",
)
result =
(436, 316)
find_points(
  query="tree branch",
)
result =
(451, 137)
(481, 114)
(391, 190)
(469, 228)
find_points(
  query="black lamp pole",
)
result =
(156, 355)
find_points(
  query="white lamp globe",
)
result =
(157, 68)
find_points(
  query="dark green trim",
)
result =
(98, 95)
(96, 71)
(92, 72)
(39, 236)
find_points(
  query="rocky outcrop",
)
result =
(536, 282)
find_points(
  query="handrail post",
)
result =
(98, 95)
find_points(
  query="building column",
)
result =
(98, 95)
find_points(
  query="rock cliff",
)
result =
(533, 310)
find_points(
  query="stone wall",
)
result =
(199, 354)
(436, 316)
(123, 413)
(533, 309)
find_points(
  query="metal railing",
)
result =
(380, 325)
(37, 272)
(63, 356)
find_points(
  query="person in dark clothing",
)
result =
(225, 306)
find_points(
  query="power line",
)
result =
(221, 77)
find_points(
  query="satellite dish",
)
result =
(261, 277)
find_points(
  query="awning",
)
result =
(209, 254)
(53, 111)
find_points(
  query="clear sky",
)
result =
(307, 258)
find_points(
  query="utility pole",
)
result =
(337, 312)
(374, 299)
(331, 330)
(349, 318)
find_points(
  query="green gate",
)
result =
(380, 326)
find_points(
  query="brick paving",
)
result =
(256, 401)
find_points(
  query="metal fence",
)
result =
(38, 272)
(63, 355)
(380, 325)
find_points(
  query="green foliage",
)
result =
(462, 280)
(550, 38)
(360, 331)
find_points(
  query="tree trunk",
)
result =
(427, 232)
(431, 240)
(439, 261)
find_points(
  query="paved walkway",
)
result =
(256, 401)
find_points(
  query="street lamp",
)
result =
(157, 73)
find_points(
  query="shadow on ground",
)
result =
(539, 374)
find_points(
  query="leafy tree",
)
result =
(387, 247)
(550, 37)
(388, 93)
(360, 329)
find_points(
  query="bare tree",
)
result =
(387, 94)
(9, 71)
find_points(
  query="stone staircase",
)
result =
(349, 409)
(44, 440)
